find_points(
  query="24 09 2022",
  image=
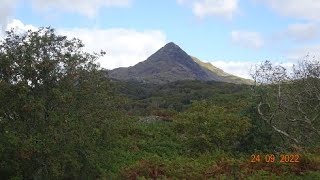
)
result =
(271, 158)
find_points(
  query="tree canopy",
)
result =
(56, 107)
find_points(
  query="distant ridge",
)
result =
(170, 63)
(225, 76)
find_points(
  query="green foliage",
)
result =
(193, 139)
(178, 96)
(260, 137)
(206, 127)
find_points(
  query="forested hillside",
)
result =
(61, 117)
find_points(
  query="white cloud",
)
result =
(220, 8)
(247, 39)
(19, 26)
(238, 68)
(301, 32)
(124, 47)
(84, 7)
(301, 9)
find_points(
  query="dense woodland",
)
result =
(62, 117)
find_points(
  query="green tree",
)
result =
(290, 102)
(55, 108)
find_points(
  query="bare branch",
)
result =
(285, 134)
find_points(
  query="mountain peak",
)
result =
(171, 45)
(170, 52)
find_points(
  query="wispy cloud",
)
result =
(220, 8)
(300, 32)
(6, 10)
(83, 7)
(247, 39)
(304, 10)
(298, 53)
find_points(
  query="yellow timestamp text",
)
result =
(271, 158)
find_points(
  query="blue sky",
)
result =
(231, 34)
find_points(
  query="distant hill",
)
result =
(225, 76)
(171, 63)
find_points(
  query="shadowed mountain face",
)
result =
(171, 63)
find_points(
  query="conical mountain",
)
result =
(168, 64)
